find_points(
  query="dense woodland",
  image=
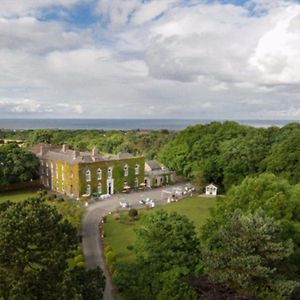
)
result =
(223, 153)
(137, 142)
(249, 246)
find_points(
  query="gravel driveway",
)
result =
(91, 242)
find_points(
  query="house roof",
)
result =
(212, 185)
(153, 165)
(62, 153)
(122, 155)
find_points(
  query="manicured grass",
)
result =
(71, 210)
(120, 233)
(19, 195)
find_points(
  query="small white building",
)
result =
(211, 190)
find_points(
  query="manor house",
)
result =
(75, 174)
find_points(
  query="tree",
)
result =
(35, 243)
(246, 254)
(279, 199)
(89, 284)
(284, 157)
(243, 156)
(168, 251)
(199, 181)
(167, 240)
(17, 165)
(40, 136)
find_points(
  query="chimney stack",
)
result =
(95, 151)
(42, 149)
(65, 147)
(76, 153)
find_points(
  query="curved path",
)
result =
(91, 242)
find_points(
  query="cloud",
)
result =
(11, 8)
(150, 10)
(24, 106)
(277, 55)
(133, 12)
(154, 58)
(30, 35)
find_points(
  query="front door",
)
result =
(110, 186)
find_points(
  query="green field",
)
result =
(19, 195)
(71, 210)
(119, 232)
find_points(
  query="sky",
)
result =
(226, 59)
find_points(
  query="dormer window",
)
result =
(99, 174)
(126, 170)
(88, 175)
(109, 172)
(137, 169)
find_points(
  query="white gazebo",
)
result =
(211, 190)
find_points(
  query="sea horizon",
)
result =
(125, 124)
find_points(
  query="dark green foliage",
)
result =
(137, 142)
(168, 239)
(247, 253)
(284, 157)
(133, 213)
(88, 284)
(17, 165)
(41, 136)
(34, 244)
(279, 200)
(168, 251)
(225, 153)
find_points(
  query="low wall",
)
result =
(21, 186)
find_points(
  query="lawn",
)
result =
(119, 233)
(19, 195)
(71, 210)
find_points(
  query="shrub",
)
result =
(133, 213)
(78, 259)
(107, 249)
(49, 198)
(42, 193)
(110, 258)
(130, 247)
(80, 264)
(116, 216)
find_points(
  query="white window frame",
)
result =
(99, 188)
(126, 170)
(137, 169)
(88, 189)
(99, 174)
(88, 176)
(109, 172)
(136, 182)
